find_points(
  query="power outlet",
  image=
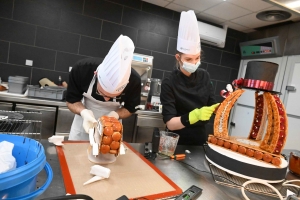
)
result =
(29, 62)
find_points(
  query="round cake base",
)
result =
(244, 166)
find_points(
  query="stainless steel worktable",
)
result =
(183, 175)
(33, 101)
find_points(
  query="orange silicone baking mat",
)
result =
(131, 175)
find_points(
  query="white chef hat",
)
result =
(113, 73)
(188, 40)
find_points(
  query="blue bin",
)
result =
(20, 183)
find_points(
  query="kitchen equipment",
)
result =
(175, 157)
(294, 163)
(167, 143)
(26, 124)
(20, 183)
(47, 92)
(17, 84)
(155, 140)
(153, 100)
(46, 82)
(143, 65)
(190, 194)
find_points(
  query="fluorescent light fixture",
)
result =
(295, 4)
(290, 5)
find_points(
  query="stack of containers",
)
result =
(17, 84)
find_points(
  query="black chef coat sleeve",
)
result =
(167, 100)
(211, 99)
(74, 90)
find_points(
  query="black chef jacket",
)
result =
(180, 95)
(82, 74)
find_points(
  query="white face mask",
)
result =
(189, 67)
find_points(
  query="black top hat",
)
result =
(260, 75)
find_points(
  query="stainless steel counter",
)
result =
(145, 122)
(28, 100)
(183, 175)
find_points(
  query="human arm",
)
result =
(88, 117)
(76, 107)
(198, 116)
(120, 113)
(202, 114)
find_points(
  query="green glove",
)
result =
(202, 114)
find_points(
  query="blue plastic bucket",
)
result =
(20, 183)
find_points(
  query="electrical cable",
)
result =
(243, 188)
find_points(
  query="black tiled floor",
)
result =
(111, 31)
(42, 58)
(6, 7)
(77, 23)
(66, 60)
(103, 10)
(16, 31)
(3, 51)
(94, 47)
(58, 40)
(35, 12)
(13, 70)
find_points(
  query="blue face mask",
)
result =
(189, 67)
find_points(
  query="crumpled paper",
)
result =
(99, 172)
(7, 161)
(57, 140)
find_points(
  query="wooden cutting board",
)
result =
(131, 175)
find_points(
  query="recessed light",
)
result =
(273, 15)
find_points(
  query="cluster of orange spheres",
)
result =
(259, 155)
(112, 135)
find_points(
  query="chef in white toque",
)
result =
(109, 88)
(187, 94)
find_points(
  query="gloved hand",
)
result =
(89, 120)
(202, 114)
(113, 114)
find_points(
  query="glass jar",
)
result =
(294, 163)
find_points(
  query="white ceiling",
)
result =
(237, 14)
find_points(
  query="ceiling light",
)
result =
(291, 5)
(295, 4)
(273, 15)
